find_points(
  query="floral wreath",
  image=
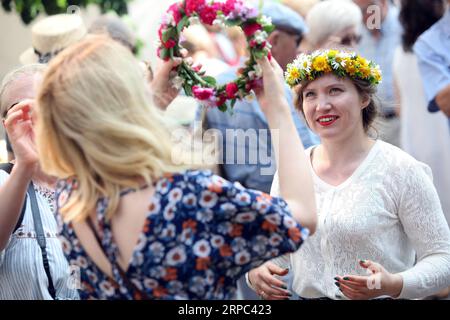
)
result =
(256, 28)
(343, 64)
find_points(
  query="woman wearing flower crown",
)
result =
(374, 201)
(138, 223)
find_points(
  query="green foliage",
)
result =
(30, 9)
(210, 80)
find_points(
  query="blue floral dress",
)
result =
(201, 234)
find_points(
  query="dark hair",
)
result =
(416, 16)
(8, 144)
(363, 87)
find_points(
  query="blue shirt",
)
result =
(433, 53)
(381, 51)
(257, 169)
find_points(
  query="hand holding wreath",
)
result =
(229, 13)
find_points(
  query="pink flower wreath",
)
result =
(256, 28)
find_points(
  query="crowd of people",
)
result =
(351, 202)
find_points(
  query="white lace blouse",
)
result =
(387, 211)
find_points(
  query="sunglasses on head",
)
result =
(9, 108)
(292, 33)
(349, 40)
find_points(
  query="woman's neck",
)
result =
(340, 153)
(43, 179)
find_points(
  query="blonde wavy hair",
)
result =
(95, 122)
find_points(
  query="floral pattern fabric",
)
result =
(47, 194)
(201, 234)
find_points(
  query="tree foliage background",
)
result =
(30, 9)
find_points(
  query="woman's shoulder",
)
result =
(394, 158)
(194, 180)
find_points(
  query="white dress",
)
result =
(424, 135)
(387, 211)
(22, 274)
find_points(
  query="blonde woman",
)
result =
(139, 225)
(381, 231)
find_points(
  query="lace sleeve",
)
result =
(423, 221)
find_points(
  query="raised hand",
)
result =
(265, 283)
(272, 96)
(19, 126)
(163, 89)
(378, 282)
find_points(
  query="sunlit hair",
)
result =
(95, 122)
(29, 70)
(330, 17)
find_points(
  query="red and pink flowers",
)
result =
(250, 29)
(202, 93)
(225, 13)
(231, 90)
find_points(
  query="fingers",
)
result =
(265, 64)
(372, 266)
(26, 104)
(267, 285)
(276, 66)
(364, 263)
(266, 296)
(274, 269)
(166, 67)
(359, 280)
(14, 117)
(276, 297)
(356, 285)
(176, 62)
(350, 293)
(189, 61)
(184, 53)
(271, 285)
(273, 281)
(20, 113)
(274, 291)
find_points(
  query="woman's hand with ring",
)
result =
(264, 282)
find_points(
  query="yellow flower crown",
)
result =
(343, 64)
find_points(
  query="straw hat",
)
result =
(51, 35)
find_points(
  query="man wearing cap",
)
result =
(51, 35)
(248, 121)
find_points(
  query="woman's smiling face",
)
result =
(332, 107)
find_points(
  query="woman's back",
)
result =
(200, 234)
